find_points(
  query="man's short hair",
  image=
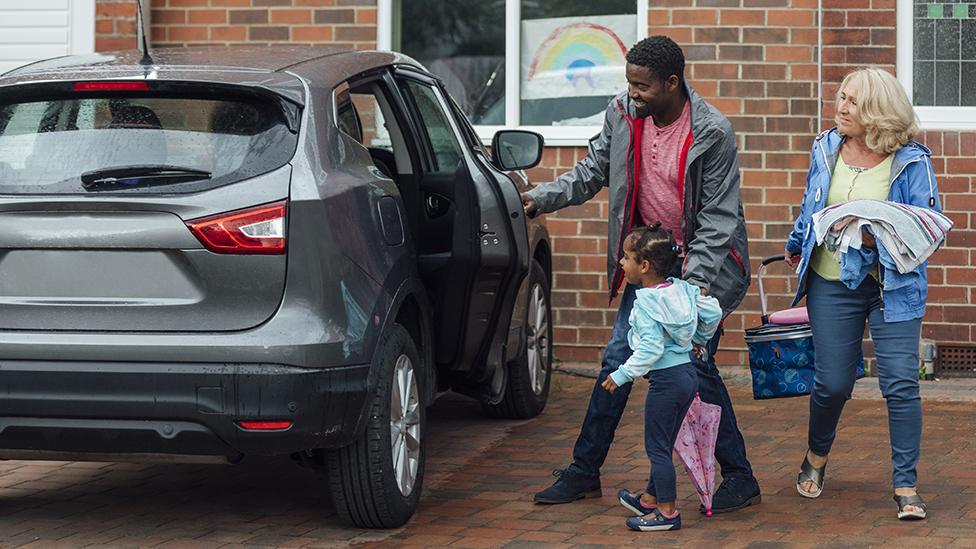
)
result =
(660, 55)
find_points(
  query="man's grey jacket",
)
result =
(712, 223)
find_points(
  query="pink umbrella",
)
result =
(696, 447)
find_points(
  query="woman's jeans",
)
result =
(604, 411)
(668, 398)
(837, 317)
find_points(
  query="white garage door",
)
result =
(38, 29)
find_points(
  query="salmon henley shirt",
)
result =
(659, 194)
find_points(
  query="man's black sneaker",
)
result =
(734, 494)
(569, 487)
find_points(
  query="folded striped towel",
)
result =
(910, 234)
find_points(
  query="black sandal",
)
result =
(809, 473)
(914, 500)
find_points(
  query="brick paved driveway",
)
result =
(481, 476)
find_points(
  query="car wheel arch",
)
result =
(409, 305)
(542, 252)
(410, 308)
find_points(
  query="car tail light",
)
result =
(257, 230)
(264, 425)
(110, 86)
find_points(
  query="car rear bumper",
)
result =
(176, 408)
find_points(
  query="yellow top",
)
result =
(849, 183)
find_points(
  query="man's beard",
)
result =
(643, 110)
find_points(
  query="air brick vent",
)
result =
(956, 361)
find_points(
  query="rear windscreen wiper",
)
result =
(146, 175)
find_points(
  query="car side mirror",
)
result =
(516, 149)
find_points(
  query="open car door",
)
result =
(471, 241)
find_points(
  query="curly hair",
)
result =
(883, 109)
(654, 245)
(660, 55)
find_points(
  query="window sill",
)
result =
(555, 136)
(947, 118)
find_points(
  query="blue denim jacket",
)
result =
(912, 182)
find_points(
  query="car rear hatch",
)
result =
(143, 205)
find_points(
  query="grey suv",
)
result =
(260, 251)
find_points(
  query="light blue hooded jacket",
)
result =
(912, 181)
(663, 324)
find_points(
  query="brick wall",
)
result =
(349, 23)
(115, 25)
(860, 32)
(756, 60)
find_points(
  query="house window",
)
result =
(937, 61)
(546, 65)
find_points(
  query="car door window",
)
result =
(347, 115)
(365, 112)
(445, 150)
(470, 136)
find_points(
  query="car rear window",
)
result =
(46, 145)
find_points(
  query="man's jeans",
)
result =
(605, 409)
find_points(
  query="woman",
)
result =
(869, 155)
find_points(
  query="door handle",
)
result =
(436, 205)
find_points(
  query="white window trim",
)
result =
(930, 118)
(568, 136)
(82, 27)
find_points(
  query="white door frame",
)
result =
(81, 30)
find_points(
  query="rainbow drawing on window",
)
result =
(578, 53)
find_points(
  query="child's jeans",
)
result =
(668, 398)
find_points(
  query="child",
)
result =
(669, 317)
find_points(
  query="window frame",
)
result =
(82, 27)
(554, 135)
(930, 118)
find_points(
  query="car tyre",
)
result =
(376, 481)
(529, 375)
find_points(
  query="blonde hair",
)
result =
(883, 109)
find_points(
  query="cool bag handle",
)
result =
(759, 275)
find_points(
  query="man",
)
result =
(666, 155)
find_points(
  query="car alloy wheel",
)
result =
(405, 425)
(376, 481)
(538, 338)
